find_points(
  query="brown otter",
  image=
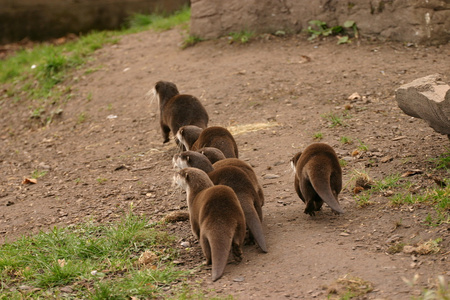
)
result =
(214, 136)
(177, 110)
(216, 218)
(213, 154)
(318, 177)
(236, 178)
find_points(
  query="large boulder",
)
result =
(427, 98)
(416, 21)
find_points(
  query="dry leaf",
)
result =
(61, 262)
(412, 172)
(148, 258)
(29, 181)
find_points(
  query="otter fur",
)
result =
(239, 181)
(177, 110)
(214, 136)
(213, 154)
(216, 218)
(318, 177)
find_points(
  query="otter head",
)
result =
(294, 161)
(164, 91)
(188, 134)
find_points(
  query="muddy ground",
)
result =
(104, 154)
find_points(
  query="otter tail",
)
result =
(254, 225)
(220, 249)
(323, 189)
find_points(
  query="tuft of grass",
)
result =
(81, 118)
(363, 199)
(335, 119)
(191, 41)
(346, 140)
(242, 37)
(318, 136)
(38, 174)
(96, 261)
(362, 146)
(158, 22)
(101, 180)
(443, 161)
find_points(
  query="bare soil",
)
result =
(104, 154)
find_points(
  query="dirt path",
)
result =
(105, 153)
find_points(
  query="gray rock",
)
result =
(427, 98)
(414, 21)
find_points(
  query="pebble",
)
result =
(271, 176)
(185, 244)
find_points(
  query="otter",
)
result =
(214, 136)
(318, 177)
(237, 177)
(213, 154)
(216, 218)
(177, 110)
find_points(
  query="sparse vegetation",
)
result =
(39, 72)
(190, 41)
(96, 261)
(319, 28)
(443, 161)
(362, 146)
(318, 136)
(345, 140)
(38, 174)
(242, 37)
(334, 119)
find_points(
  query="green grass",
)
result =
(318, 136)
(438, 198)
(190, 41)
(443, 161)
(96, 261)
(346, 140)
(242, 37)
(37, 75)
(38, 174)
(158, 22)
(335, 119)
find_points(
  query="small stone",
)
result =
(271, 176)
(238, 279)
(344, 234)
(185, 244)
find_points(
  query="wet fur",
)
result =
(238, 180)
(318, 177)
(214, 136)
(178, 110)
(216, 218)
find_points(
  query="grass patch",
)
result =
(37, 74)
(190, 41)
(443, 161)
(96, 261)
(318, 136)
(241, 37)
(335, 119)
(38, 174)
(158, 22)
(346, 140)
(349, 287)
